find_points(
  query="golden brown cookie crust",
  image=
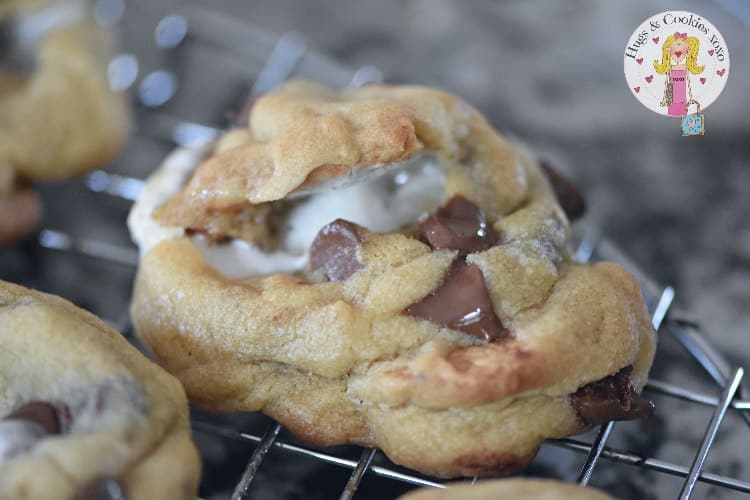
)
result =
(507, 489)
(303, 135)
(339, 361)
(63, 120)
(128, 418)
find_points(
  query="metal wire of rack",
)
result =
(287, 55)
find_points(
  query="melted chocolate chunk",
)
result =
(334, 250)
(567, 194)
(462, 303)
(611, 398)
(459, 225)
(104, 488)
(43, 414)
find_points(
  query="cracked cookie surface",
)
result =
(452, 339)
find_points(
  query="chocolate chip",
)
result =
(462, 303)
(334, 250)
(611, 398)
(43, 414)
(104, 488)
(567, 194)
(459, 225)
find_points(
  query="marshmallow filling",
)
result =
(393, 198)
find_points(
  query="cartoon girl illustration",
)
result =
(679, 55)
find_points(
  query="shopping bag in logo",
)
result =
(693, 124)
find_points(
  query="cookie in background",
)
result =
(82, 412)
(58, 116)
(509, 489)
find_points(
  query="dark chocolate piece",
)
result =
(334, 250)
(567, 194)
(459, 225)
(611, 398)
(43, 414)
(463, 303)
(104, 488)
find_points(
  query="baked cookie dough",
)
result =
(381, 267)
(83, 414)
(509, 489)
(60, 121)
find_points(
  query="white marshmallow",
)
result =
(18, 437)
(382, 203)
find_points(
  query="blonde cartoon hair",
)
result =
(691, 59)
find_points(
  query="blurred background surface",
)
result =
(549, 73)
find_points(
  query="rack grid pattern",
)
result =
(288, 53)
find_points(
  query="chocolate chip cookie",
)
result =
(507, 489)
(381, 267)
(59, 121)
(83, 414)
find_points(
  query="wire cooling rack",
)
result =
(271, 60)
